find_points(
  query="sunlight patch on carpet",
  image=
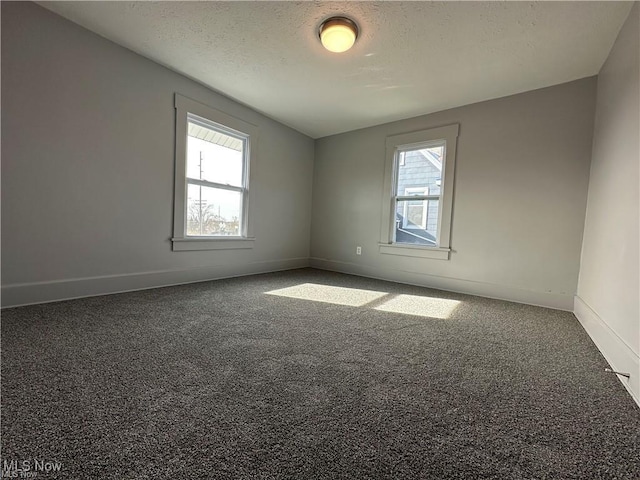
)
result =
(420, 306)
(353, 297)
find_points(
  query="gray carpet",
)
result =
(223, 380)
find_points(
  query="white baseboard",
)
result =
(482, 289)
(43, 292)
(614, 349)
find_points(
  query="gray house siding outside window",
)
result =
(419, 173)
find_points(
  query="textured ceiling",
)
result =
(412, 58)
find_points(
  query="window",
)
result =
(214, 152)
(418, 195)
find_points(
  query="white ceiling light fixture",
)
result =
(338, 34)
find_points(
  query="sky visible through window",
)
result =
(213, 211)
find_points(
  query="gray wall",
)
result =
(522, 171)
(608, 301)
(88, 166)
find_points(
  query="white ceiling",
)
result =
(411, 58)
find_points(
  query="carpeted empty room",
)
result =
(311, 374)
(297, 240)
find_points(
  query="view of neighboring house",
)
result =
(419, 174)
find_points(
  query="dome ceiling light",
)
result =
(338, 34)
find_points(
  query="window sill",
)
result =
(436, 253)
(190, 244)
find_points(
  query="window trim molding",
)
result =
(180, 241)
(189, 244)
(409, 250)
(449, 134)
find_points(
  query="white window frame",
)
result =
(420, 139)
(225, 124)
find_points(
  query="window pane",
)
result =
(420, 171)
(213, 156)
(213, 211)
(417, 221)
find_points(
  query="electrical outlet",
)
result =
(358, 250)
